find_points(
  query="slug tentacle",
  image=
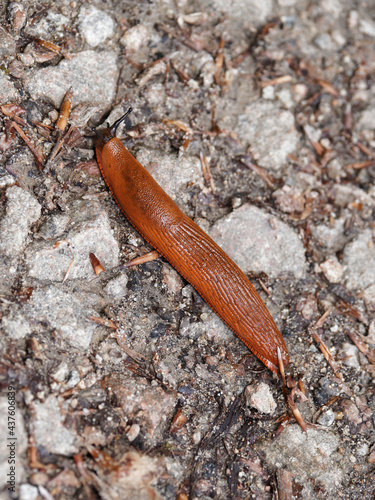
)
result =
(102, 136)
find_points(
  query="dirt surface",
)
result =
(258, 118)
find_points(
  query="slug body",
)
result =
(189, 250)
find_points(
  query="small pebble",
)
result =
(326, 418)
(260, 397)
(332, 269)
(95, 25)
(133, 432)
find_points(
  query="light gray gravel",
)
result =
(49, 430)
(22, 210)
(258, 241)
(313, 455)
(8, 92)
(64, 313)
(95, 25)
(93, 76)
(67, 256)
(270, 132)
(359, 262)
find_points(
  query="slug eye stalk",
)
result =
(104, 135)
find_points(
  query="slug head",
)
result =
(102, 136)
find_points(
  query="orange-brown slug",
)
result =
(188, 249)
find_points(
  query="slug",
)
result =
(219, 281)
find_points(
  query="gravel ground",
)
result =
(258, 118)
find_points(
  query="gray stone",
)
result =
(331, 237)
(203, 372)
(61, 372)
(350, 354)
(369, 294)
(326, 418)
(15, 324)
(248, 11)
(270, 131)
(6, 180)
(74, 379)
(344, 194)
(289, 199)
(191, 330)
(332, 269)
(135, 478)
(49, 430)
(259, 242)
(117, 287)
(359, 261)
(21, 212)
(93, 76)
(308, 456)
(54, 226)
(95, 25)
(351, 411)
(366, 119)
(28, 492)
(260, 397)
(333, 7)
(367, 27)
(150, 405)
(136, 38)
(172, 279)
(7, 46)
(210, 327)
(90, 231)
(363, 449)
(52, 24)
(371, 332)
(215, 330)
(324, 42)
(8, 92)
(67, 313)
(133, 432)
